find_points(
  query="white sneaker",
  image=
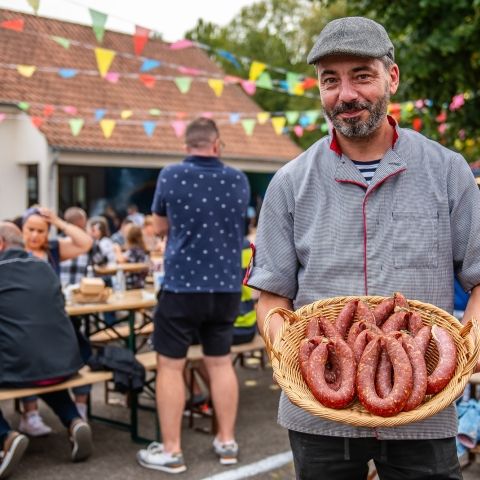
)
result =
(155, 458)
(81, 439)
(32, 424)
(227, 452)
(82, 410)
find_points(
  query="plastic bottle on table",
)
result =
(120, 283)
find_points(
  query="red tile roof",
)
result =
(34, 46)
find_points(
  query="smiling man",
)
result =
(370, 209)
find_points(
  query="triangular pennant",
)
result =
(262, 117)
(298, 89)
(149, 64)
(23, 106)
(298, 130)
(249, 87)
(313, 115)
(304, 121)
(181, 44)
(179, 127)
(147, 80)
(234, 117)
(67, 72)
(230, 57)
(140, 39)
(48, 110)
(183, 83)
(26, 70)
(309, 82)
(76, 125)
(155, 112)
(16, 24)
(278, 124)
(248, 125)
(107, 126)
(324, 127)
(265, 81)
(99, 20)
(216, 85)
(70, 109)
(99, 114)
(292, 116)
(189, 71)
(64, 42)
(112, 77)
(207, 115)
(284, 85)
(256, 68)
(35, 4)
(149, 127)
(126, 114)
(292, 80)
(37, 121)
(104, 59)
(2, 117)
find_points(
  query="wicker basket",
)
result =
(284, 357)
(83, 298)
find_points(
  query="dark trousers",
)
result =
(319, 457)
(60, 402)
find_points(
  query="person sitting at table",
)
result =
(120, 235)
(135, 253)
(38, 346)
(36, 223)
(103, 244)
(153, 243)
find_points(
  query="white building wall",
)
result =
(21, 144)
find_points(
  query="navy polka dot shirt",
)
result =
(205, 203)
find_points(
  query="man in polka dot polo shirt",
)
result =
(201, 204)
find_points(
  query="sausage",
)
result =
(422, 338)
(345, 317)
(353, 333)
(316, 374)
(307, 345)
(383, 376)
(383, 310)
(327, 328)
(312, 329)
(419, 367)
(447, 360)
(403, 377)
(415, 323)
(396, 321)
(305, 350)
(370, 332)
(364, 312)
(400, 300)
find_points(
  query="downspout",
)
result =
(53, 179)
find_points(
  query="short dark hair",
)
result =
(11, 234)
(201, 132)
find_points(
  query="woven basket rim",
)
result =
(286, 368)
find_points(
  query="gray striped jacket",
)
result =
(323, 232)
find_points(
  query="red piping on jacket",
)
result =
(364, 204)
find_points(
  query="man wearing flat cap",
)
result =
(370, 209)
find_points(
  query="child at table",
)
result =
(135, 253)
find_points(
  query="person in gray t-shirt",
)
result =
(327, 230)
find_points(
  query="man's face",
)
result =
(355, 93)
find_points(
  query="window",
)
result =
(32, 185)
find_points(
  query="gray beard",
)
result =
(354, 127)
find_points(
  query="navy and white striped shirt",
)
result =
(367, 169)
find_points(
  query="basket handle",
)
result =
(472, 328)
(290, 318)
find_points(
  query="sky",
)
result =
(172, 18)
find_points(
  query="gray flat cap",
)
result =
(357, 36)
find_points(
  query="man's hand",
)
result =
(266, 302)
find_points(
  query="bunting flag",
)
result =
(16, 24)
(26, 70)
(147, 80)
(256, 68)
(292, 79)
(181, 44)
(76, 125)
(149, 64)
(309, 82)
(35, 4)
(248, 125)
(70, 110)
(107, 126)
(249, 87)
(179, 127)
(48, 110)
(216, 85)
(154, 112)
(2, 117)
(67, 72)
(64, 42)
(298, 130)
(99, 20)
(99, 114)
(183, 83)
(292, 117)
(229, 57)
(263, 117)
(189, 71)
(312, 115)
(149, 127)
(126, 114)
(25, 106)
(37, 121)
(234, 117)
(417, 124)
(104, 59)
(112, 77)
(264, 81)
(278, 124)
(140, 39)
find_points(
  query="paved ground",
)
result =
(258, 434)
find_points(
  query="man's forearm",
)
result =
(473, 311)
(266, 302)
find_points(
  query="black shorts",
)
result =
(179, 317)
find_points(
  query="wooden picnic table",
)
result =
(126, 267)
